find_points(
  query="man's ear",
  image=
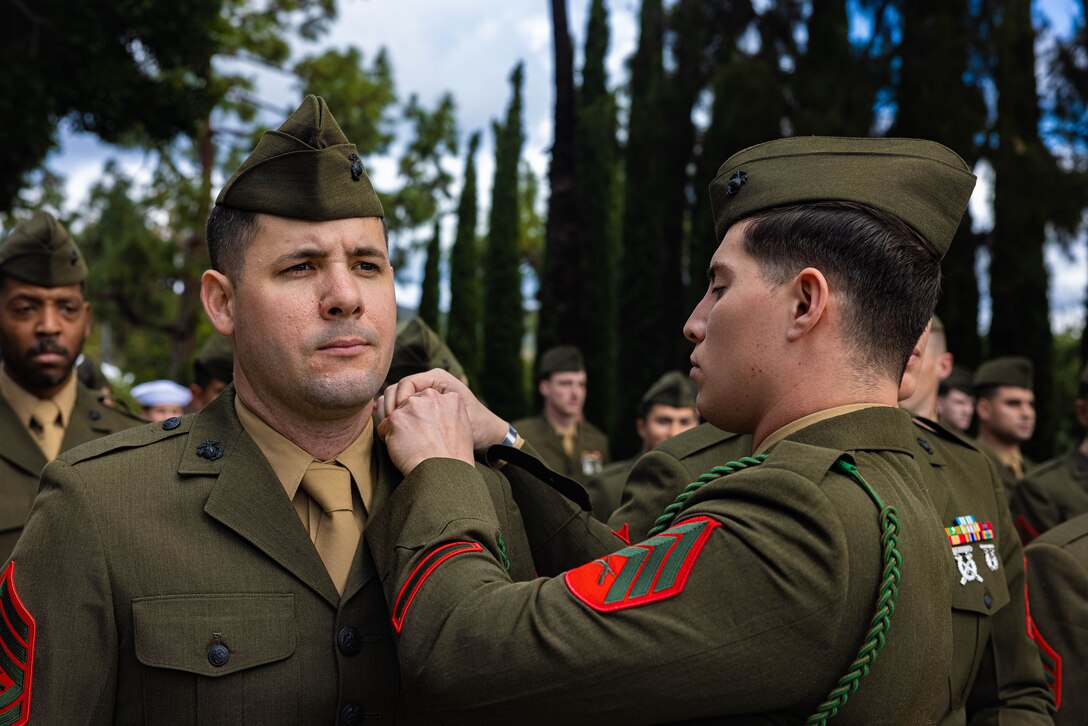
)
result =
(217, 294)
(982, 410)
(810, 296)
(944, 366)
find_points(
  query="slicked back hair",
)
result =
(229, 233)
(887, 279)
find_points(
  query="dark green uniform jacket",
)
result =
(170, 581)
(606, 489)
(1058, 589)
(1051, 494)
(591, 451)
(996, 676)
(748, 610)
(1008, 476)
(21, 461)
(662, 473)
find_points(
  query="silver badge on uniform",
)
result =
(965, 560)
(991, 556)
(592, 463)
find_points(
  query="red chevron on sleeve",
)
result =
(18, 633)
(424, 569)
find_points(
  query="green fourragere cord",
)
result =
(886, 596)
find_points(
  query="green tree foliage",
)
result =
(90, 64)
(643, 274)
(1024, 173)
(938, 59)
(503, 321)
(597, 157)
(561, 289)
(432, 276)
(466, 291)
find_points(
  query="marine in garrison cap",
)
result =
(44, 322)
(1056, 491)
(560, 434)
(826, 276)
(420, 349)
(211, 568)
(666, 409)
(1005, 411)
(213, 370)
(956, 399)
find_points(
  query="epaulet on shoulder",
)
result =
(1064, 534)
(811, 462)
(132, 438)
(946, 435)
(689, 442)
(1047, 466)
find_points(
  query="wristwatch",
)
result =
(511, 436)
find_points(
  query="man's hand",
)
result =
(487, 428)
(426, 425)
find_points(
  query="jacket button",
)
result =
(351, 715)
(94, 415)
(988, 600)
(218, 655)
(171, 423)
(348, 641)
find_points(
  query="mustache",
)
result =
(47, 346)
(348, 330)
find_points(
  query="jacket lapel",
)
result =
(19, 448)
(86, 422)
(249, 499)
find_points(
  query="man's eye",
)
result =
(300, 267)
(367, 266)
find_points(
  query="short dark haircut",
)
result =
(888, 278)
(229, 233)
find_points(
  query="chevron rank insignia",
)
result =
(652, 570)
(17, 635)
(968, 530)
(424, 569)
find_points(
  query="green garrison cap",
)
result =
(672, 389)
(40, 251)
(305, 169)
(960, 379)
(923, 183)
(1006, 371)
(418, 349)
(216, 358)
(560, 359)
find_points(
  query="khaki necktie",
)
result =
(337, 535)
(569, 437)
(45, 422)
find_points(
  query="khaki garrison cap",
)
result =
(923, 183)
(560, 359)
(305, 169)
(40, 251)
(1007, 371)
(672, 389)
(418, 349)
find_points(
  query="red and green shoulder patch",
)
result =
(649, 571)
(17, 635)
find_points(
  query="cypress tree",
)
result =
(466, 292)
(1022, 167)
(642, 356)
(596, 262)
(501, 383)
(432, 275)
(562, 315)
(936, 53)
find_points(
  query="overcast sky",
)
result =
(468, 48)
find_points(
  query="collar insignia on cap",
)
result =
(75, 257)
(736, 181)
(356, 167)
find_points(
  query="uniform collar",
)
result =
(22, 401)
(290, 462)
(806, 421)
